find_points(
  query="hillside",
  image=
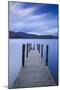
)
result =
(22, 35)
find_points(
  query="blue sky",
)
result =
(32, 18)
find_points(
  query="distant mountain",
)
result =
(22, 35)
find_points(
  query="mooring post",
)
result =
(27, 51)
(41, 51)
(39, 48)
(23, 54)
(46, 55)
(29, 47)
(33, 46)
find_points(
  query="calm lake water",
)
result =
(52, 52)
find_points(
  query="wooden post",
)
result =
(23, 54)
(29, 48)
(27, 51)
(39, 48)
(41, 51)
(46, 55)
(33, 46)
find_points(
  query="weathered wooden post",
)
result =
(46, 55)
(23, 54)
(39, 48)
(33, 46)
(27, 51)
(29, 47)
(41, 51)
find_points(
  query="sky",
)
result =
(33, 18)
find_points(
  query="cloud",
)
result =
(52, 31)
(34, 33)
(13, 6)
(17, 9)
(24, 20)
